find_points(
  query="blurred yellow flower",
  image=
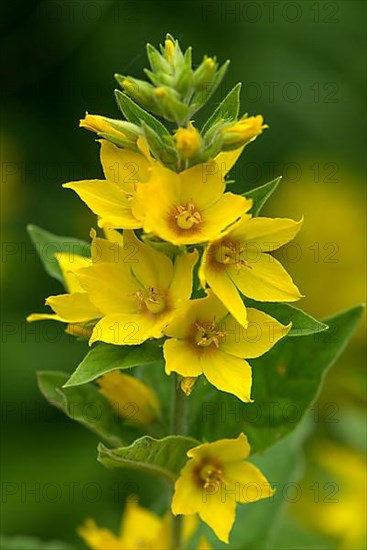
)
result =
(131, 398)
(205, 339)
(240, 261)
(140, 529)
(189, 207)
(342, 514)
(188, 141)
(214, 479)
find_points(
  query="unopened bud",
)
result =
(188, 141)
(187, 384)
(243, 131)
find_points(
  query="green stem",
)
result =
(178, 426)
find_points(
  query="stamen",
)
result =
(187, 216)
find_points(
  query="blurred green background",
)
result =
(302, 67)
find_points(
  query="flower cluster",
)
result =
(179, 257)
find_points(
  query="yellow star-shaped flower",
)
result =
(205, 339)
(240, 262)
(214, 479)
(190, 207)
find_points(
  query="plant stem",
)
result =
(178, 426)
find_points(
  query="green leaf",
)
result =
(85, 404)
(162, 457)
(31, 543)
(261, 194)
(106, 357)
(286, 381)
(227, 110)
(303, 324)
(48, 245)
(135, 114)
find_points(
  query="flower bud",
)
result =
(131, 399)
(168, 101)
(187, 384)
(205, 72)
(188, 141)
(100, 125)
(243, 131)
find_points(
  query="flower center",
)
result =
(207, 334)
(230, 253)
(151, 299)
(210, 475)
(187, 216)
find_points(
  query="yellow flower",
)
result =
(138, 291)
(214, 479)
(74, 307)
(131, 399)
(341, 511)
(140, 529)
(189, 207)
(239, 261)
(188, 141)
(112, 199)
(205, 339)
(243, 131)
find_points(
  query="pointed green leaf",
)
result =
(162, 457)
(286, 381)
(227, 110)
(303, 324)
(85, 404)
(107, 357)
(202, 96)
(48, 245)
(135, 114)
(261, 194)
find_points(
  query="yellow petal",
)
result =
(181, 285)
(264, 280)
(223, 213)
(105, 251)
(108, 201)
(267, 234)
(98, 538)
(123, 166)
(218, 511)
(44, 317)
(110, 287)
(138, 525)
(230, 374)
(187, 496)
(69, 263)
(224, 288)
(261, 334)
(203, 184)
(73, 308)
(151, 267)
(226, 450)
(122, 329)
(180, 358)
(253, 485)
(227, 159)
